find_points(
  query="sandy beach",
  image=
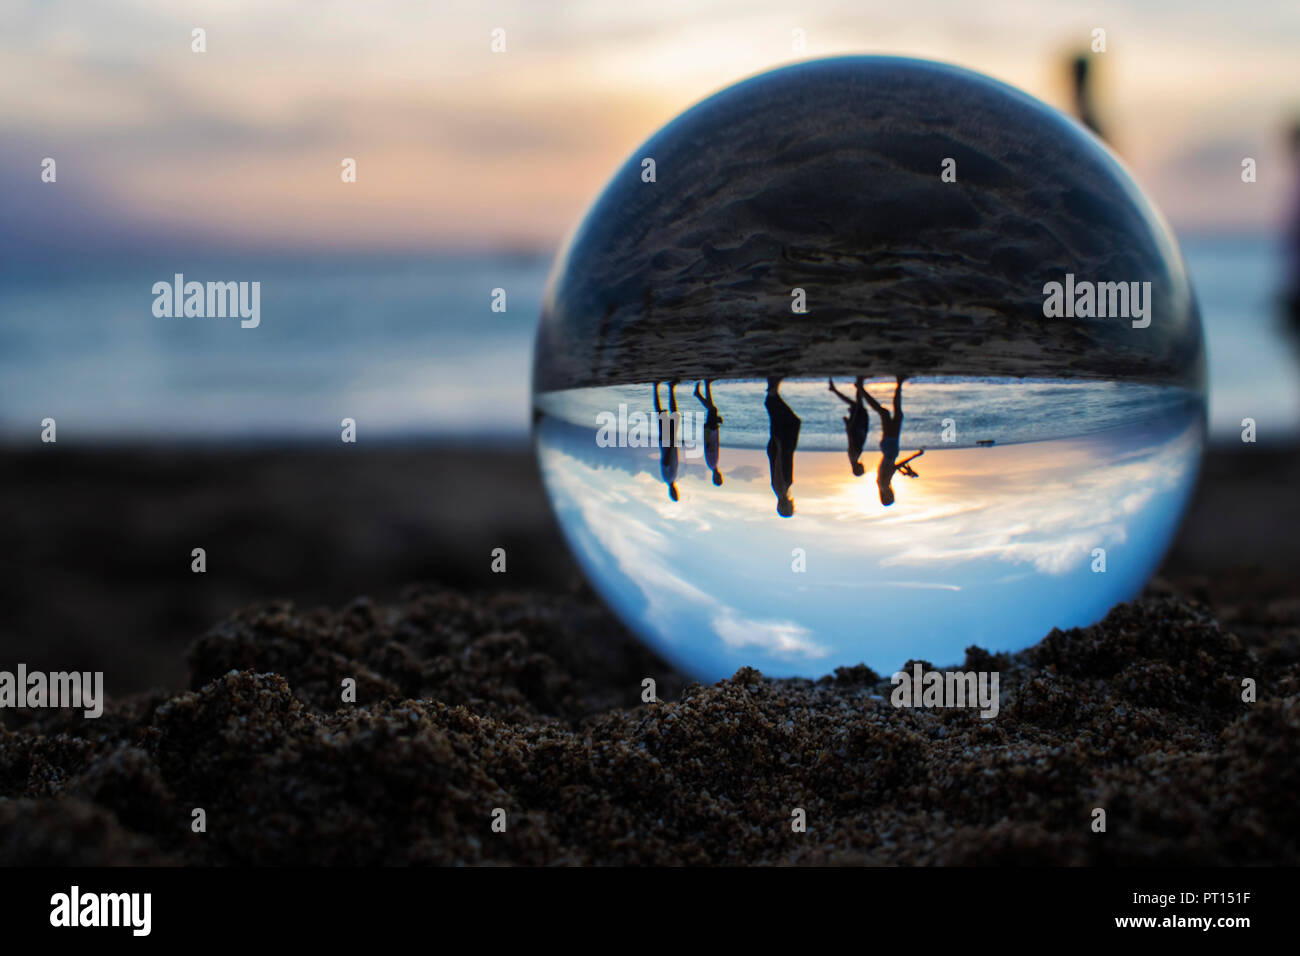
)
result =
(518, 691)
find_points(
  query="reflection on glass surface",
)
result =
(804, 561)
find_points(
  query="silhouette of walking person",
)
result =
(1292, 290)
(784, 434)
(856, 423)
(668, 438)
(712, 428)
(892, 426)
(1084, 105)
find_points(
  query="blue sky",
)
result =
(996, 540)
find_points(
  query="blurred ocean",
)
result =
(410, 347)
(406, 346)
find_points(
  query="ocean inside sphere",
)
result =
(867, 360)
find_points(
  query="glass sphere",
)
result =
(867, 360)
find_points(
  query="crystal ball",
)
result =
(867, 360)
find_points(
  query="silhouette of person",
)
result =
(856, 424)
(668, 438)
(712, 428)
(1084, 107)
(780, 446)
(891, 424)
(1292, 290)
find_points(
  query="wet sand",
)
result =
(518, 691)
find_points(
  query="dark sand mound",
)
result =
(531, 703)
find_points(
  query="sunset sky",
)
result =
(460, 147)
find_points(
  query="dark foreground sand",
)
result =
(519, 692)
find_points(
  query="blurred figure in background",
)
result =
(1291, 290)
(1084, 107)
